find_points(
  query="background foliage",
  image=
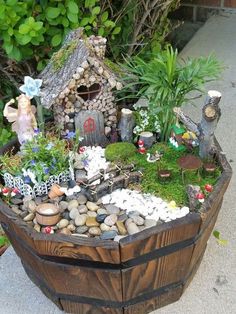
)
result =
(31, 30)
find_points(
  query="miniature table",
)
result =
(189, 163)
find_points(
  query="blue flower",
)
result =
(27, 180)
(31, 87)
(49, 146)
(70, 135)
(36, 131)
(35, 149)
(46, 170)
(33, 162)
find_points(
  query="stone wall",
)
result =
(201, 10)
(70, 101)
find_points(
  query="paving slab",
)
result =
(213, 289)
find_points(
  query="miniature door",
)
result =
(91, 127)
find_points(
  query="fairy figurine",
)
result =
(24, 122)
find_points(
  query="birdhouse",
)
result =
(175, 140)
(79, 87)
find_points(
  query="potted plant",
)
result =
(165, 82)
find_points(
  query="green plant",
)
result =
(145, 121)
(4, 240)
(39, 158)
(166, 82)
(27, 25)
(119, 151)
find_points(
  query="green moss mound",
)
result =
(120, 151)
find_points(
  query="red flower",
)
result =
(81, 150)
(142, 150)
(200, 196)
(208, 188)
(5, 190)
(47, 229)
(15, 190)
(140, 143)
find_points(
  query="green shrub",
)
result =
(27, 25)
(119, 151)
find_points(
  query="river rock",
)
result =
(150, 223)
(122, 217)
(80, 220)
(132, 228)
(101, 211)
(104, 227)
(139, 221)
(82, 209)
(91, 222)
(95, 231)
(66, 215)
(29, 217)
(112, 209)
(73, 204)
(82, 199)
(101, 218)
(37, 227)
(114, 228)
(16, 209)
(80, 175)
(71, 227)
(110, 220)
(92, 206)
(121, 227)
(63, 223)
(64, 231)
(91, 214)
(16, 201)
(108, 235)
(81, 229)
(63, 205)
(74, 213)
(128, 221)
(32, 206)
(118, 238)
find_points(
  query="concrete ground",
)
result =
(213, 290)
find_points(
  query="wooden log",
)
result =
(126, 125)
(147, 138)
(205, 130)
(210, 116)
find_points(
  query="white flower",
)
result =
(31, 87)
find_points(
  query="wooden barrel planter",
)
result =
(139, 274)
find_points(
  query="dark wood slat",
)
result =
(159, 237)
(155, 274)
(81, 308)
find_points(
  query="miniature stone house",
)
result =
(78, 86)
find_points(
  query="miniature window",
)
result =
(88, 93)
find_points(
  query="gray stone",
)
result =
(63, 223)
(133, 213)
(80, 176)
(66, 215)
(74, 213)
(16, 209)
(73, 204)
(91, 214)
(108, 235)
(139, 221)
(149, 223)
(81, 229)
(92, 206)
(104, 227)
(16, 201)
(101, 218)
(80, 220)
(82, 199)
(82, 209)
(95, 231)
(122, 217)
(128, 221)
(101, 211)
(29, 217)
(132, 228)
(112, 209)
(110, 220)
(63, 205)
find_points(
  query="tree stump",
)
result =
(126, 125)
(147, 138)
(205, 130)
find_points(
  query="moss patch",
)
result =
(175, 189)
(120, 151)
(61, 56)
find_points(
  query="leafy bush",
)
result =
(119, 151)
(166, 82)
(26, 25)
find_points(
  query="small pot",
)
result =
(47, 214)
(55, 191)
